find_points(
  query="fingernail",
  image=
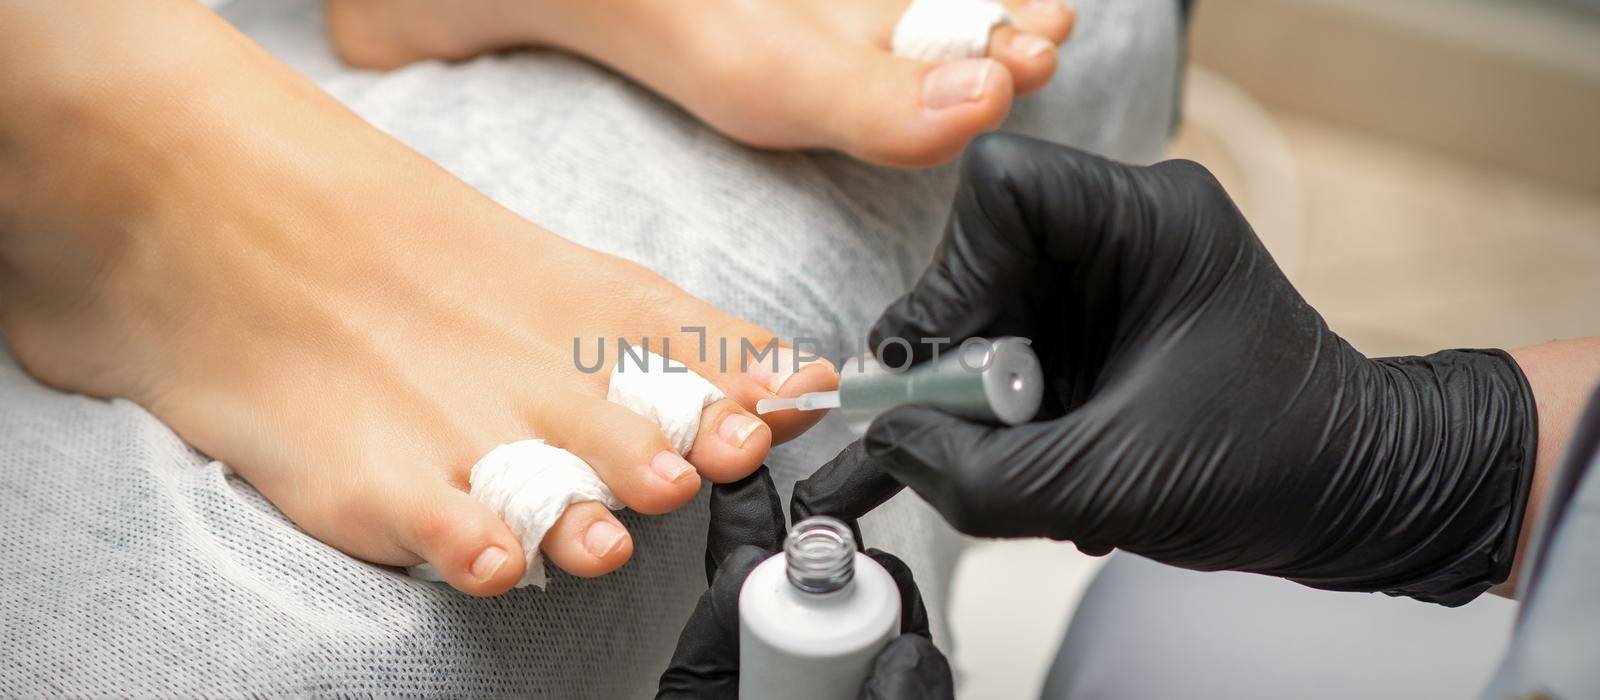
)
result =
(487, 563)
(956, 83)
(1031, 46)
(668, 465)
(737, 428)
(602, 538)
(1044, 6)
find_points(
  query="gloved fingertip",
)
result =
(891, 354)
(744, 512)
(1093, 549)
(883, 436)
(910, 666)
(848, 487)
(906, 426)
(913, 612)
(801, 509)
(891, 563)
(740, 562)
(729, 579)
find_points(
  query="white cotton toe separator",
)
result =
(530, 483)
(946, 30)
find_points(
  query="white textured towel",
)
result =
(665, 392)
(530, 483)
(946, 30)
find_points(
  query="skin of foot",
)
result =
(780, 74)
(186, 223)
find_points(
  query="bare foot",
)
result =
(339, 320)
(770, 73)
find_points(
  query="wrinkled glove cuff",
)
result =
(1492, 518)
(1459, 457)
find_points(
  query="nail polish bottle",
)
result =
(813, 617)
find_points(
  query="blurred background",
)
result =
(1427, 172)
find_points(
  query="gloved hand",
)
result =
(1197, 411)
(747, 526)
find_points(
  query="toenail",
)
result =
(787, 366)
(602, 538)
(1031, 46)
(669, 466)
(771, 372)
(487, 563)
(1045, 6)
(737, 428)
(956, 83)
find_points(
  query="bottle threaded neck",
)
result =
(820, 552)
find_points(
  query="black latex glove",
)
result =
(747, 526)
(1197, 411)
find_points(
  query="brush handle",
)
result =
(995, 381)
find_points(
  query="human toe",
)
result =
(466, 543)
(587, 541)
(953, 102)
(1050, 19)
(627, 451)
(1030, 58)
(907, 113)
(731, 443)
(755, 366)
(787, 375)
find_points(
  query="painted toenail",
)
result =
(956, 83)
(737, 428)
(669, 466)
(772, 370)
(602, 538)
(1031, 46)
(487, 563)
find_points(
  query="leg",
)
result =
(592, 155)
(350, 344)
(774, 74)
(167, 546)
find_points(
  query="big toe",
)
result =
(908, 113)
(466, 543)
